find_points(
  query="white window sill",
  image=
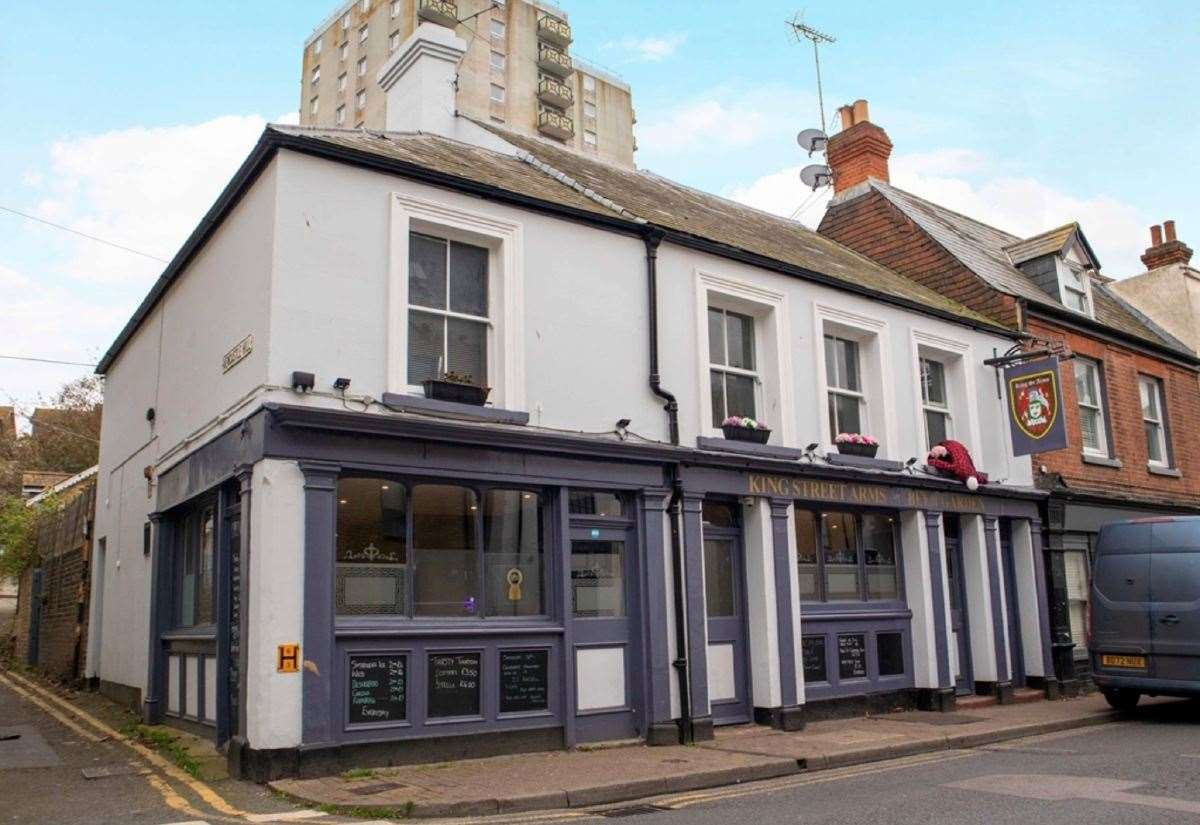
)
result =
(1101, 461)
(1169, 472)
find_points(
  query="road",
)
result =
(1142, 771)
(1136, 772)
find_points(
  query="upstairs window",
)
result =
(497, 93)
(340, 116)
(316, 46)
(589, 83)
(346, 20)
(396, 7)
(393, 41)
(343, 51)
(361, 101)
(1154, 420)
(1076, 288)
(497, 61)
(313, 105)
(342, 82)
(589, 109)
(362, 66)
(316, 75)
(1089, 392)
(498, 29)
(448, 320)
(843, 377)
(934, 402)
(732, 371)
(363, 33)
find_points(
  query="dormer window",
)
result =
(1076, 287)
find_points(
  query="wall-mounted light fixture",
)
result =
(303, 381)
(341, 384)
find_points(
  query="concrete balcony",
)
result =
(553, 61)
(555, 124)
(555, 93)
(555, 31)
(442, 12)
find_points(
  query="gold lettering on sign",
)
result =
(866, 495)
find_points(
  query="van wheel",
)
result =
(1122, 699)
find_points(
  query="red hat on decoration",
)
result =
(953, 459)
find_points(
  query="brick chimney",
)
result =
(1165, 252)
(858, 152)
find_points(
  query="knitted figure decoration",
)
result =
(951, 458)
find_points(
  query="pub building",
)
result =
(307, 552)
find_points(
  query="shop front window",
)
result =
(194, 578)
(846, 556)
(438, 550)
(596, 503)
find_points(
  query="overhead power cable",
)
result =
(27, 216)
(46, 360)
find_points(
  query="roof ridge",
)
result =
(976, 221)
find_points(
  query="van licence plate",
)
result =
(1110, 660)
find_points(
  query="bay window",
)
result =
(733, 372)
(1154, 421)
(843, 379)
(845, 556)
(438, 550)
(448, 320)
(1089, 395)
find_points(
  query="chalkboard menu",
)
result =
(852, 656)
(814, 659)
(378, 688)
(453, 684)
(523, 680)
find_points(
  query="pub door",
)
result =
(725, 601)
(964, 677)
(605, 633)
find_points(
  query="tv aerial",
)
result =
(816, 37)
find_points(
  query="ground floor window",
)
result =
(438, 550)
(846, 556)
(195, 559)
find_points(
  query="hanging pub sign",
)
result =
(1035, 414)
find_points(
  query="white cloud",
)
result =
(971, 183)
(141, 188)
(647, 49)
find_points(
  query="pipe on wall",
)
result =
(680, 664)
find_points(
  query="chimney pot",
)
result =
(1169, 229)
(1164, 253)
(1155, 235)
(860, 111)
(847, 116)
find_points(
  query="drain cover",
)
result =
(633, 810)
(371, 790)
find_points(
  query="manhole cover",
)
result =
(633, 810)
(378, 787)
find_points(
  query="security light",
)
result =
(342, 384)
(623, 423)
(303, 381)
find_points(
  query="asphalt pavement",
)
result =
(1136, 772)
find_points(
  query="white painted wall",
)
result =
(761, 605)
(979, 599)
(1024, 571)
(919, 595)
(276, 609)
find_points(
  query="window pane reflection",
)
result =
(841, 556)
(597, 578)
(447, 569)
(512, 553)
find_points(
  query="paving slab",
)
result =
(745, 753)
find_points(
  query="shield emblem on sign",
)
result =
(1034, 400)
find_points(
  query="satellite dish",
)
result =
(812, 140)
(816, 176)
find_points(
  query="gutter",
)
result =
(1090, 326)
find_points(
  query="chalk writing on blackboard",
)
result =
(524, 680)
(852, 656)
(378, 688)
(453, 684)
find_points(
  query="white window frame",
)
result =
(316, 75)
(860, 394)
(396, 6)
(393, 41)
(506, 338)
(725, 367)
(1155, 385)
(313, 105)
(957, 359)
(360, 99)
(346, 21)
(773, 352)
(873, 337)
(498, 28)
(1066, 285)
(929, 406)
(339, 117)
(363, 34)
(317, 46)
(497, 65)
(589, 83)
(342, 82)
(361, 67)
(589, 137)
(1097, 373)
(492, 93)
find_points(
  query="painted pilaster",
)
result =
(160, 617)
(925, 585)
(787, 612)
(661, 727)
(317, 647)
(999, 614)
(697, 618)
(1040, 565)
(562, 524)
(981, 620)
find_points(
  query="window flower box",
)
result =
(856, 444)
(745, 429)
(457, 388)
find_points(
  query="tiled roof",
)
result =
(1047, 243)
(985, 251)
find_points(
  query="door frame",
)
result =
(1016, 646)
(964, 685)
(743, 678)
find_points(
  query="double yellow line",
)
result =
(79, 721)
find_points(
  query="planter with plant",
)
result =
(737, 428)
(856, 444)
(457, 387)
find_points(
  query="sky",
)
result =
(125, 119)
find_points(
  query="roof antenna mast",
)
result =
(802, 31)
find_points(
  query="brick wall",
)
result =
(872, 226)
(1123, 410)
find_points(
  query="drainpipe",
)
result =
(680, 663)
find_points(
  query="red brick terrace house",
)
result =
(1130, 393)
